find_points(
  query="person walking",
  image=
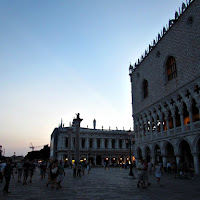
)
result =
(7, 172)
(141, 173)
(54, 173)
(79, 169)
(158, 170)
(61, 173)
(31, 170)
(19, 168)
(26, 166)
(2, 166)
(74, 167)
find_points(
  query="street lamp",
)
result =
(130, 141)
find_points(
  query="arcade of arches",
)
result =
(173, 151)
(170, 129)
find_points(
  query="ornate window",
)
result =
(145, 88)
(171, 68)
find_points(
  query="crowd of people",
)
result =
(54, 169)
(24, 171)
(145, 168)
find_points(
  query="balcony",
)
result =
(171, 132)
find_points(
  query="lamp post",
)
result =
(129, 141)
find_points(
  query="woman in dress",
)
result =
(158, 170)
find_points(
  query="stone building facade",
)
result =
(165, 85)
(96, 145)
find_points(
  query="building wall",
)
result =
(62, 151)
(158, 136)
(182, 41)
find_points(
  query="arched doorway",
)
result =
(158, 154)
(98, 160)
(185, 151)
(148, 154)
(139, 153)
(91, 160)
(170, 153)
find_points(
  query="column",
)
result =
(62, 146)
(77, 122)
(94, 143)
(180, 111)
(109, 143)
(142, 129)
(117, 143)
(87, 143)
(155, 122)
(174, 119)
(191, 118)
(167, 120)
(146, 126)
(95, 159)
(72, 142)
(136, 130)
(103, 143)
(161, 122)
(69, 146)
(196, 162)
(123, 143)
(151, 128)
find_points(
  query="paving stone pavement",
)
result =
(101, 184)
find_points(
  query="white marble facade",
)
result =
(97, 145)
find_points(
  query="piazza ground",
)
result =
(101, 184)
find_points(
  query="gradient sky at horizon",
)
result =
(58, 58)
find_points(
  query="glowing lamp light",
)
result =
(106, 158)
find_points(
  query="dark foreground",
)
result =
(101, 184)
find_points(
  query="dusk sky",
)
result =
(58, 58)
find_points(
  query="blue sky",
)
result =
(58, 58)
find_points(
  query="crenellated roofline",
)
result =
(162, 33)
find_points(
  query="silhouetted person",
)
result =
(8, 171)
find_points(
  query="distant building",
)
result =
(166, 92)
(42, 154)
(96, 145)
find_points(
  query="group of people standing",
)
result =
(79, 168)
(144, 169)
